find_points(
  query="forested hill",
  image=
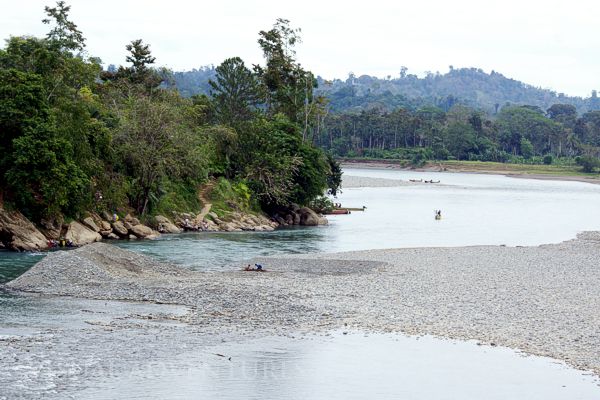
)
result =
(195, 81)
(468, 86)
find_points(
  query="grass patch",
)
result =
(178, 197)
(227, 196)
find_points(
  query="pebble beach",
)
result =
(541, 300)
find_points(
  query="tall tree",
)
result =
(289, 88)
(235, 91)
(64, 35)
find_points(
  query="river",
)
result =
(477, 210)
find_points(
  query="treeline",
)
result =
(74, 137)
(516, 134)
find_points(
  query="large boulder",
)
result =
(89, 222)
(144, 232)
(81, 235)
(164, 225)
(105, 225)
(310, 218)
(51, 228)
(18, 233)
(119, 229)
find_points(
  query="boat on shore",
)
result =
(338, 211)
(344, 210)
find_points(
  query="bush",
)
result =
(419, 159)
(322, 204)
(588, 163)
(441, 153)
(229, 196)
(547, 159)
(175, 196)
(526, 148)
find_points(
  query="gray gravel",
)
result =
(542, 300)
(350, 181)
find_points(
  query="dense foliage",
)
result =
(74, 137)
(517, 134)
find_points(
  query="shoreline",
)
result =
(541, 300)
(390, 165)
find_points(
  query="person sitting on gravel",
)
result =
(257, 268)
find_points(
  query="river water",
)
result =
(352, 366)
(477, 210)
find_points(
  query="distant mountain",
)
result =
(195, 81)
(469, 86)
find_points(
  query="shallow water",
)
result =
(477, 210)
(355, 366)
(13, 264)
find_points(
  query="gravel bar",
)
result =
(543, 300)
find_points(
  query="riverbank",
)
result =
(525, 171)
(542, 300)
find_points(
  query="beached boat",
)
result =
(338, 211)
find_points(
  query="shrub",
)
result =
(547, 159)
(322, 204)
(588, 163)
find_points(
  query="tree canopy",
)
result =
(75, 138)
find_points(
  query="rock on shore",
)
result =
(18, 233)
(296, 215)
(81, 235)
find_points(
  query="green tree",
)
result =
(526, 148)
(288, 87)
(268, 154)
(156, 140)
(64, 35)
(460, 140)
(588, 163)
(140, 72)
(39, 169)
(334, 175)
(235, 91)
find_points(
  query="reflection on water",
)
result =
(350, 367)
(477, 210)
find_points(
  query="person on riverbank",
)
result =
(257, 268)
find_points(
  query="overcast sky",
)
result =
(552, 44)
